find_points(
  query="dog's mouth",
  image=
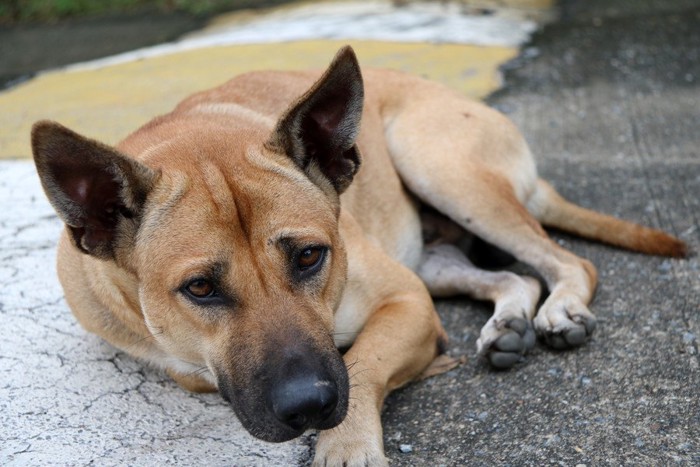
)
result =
(284, 400)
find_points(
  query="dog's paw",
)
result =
(564, 323)
(504, 342)
(509, 335)
(345, 449)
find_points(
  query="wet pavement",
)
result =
(607, 98)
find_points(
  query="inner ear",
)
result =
(327, 117)
(320, 129)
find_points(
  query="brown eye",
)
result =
(310, 257)
(200, 288)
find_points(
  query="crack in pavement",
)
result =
(70, 398)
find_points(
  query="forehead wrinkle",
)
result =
(166, 198)
(288, 172)
(219, 190)
(273, 167)
(233, 110)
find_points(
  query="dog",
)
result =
(241, 240)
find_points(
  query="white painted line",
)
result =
(415, 22)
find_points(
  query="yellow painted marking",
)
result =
(109, 103)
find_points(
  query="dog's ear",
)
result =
(97, 191)
(318, 131)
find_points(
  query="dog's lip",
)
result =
(284, 433)
(279, 433)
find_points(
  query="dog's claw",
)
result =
(517, 338)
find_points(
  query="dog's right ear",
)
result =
(97, 191)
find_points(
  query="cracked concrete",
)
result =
(605, 99)
(67, 397)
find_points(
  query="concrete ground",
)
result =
(608, 99)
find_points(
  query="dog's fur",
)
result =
(225, 243)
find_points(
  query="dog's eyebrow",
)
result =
(294, 236)
(211, 269)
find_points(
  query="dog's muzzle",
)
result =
(295, 390)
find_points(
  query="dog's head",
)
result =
(232, 235)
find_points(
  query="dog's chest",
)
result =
(371, 258)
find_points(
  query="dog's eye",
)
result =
(309, 260)
(205, 292)
(200, 288)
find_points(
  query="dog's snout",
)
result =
(298, 386)
(304, 401)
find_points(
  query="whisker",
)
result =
(198, 371)
(142, 340)
(351, 376)
(349, 366)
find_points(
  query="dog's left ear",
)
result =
(318, 132)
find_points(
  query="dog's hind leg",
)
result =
(494, 214)
(508, 334)
(478, 173)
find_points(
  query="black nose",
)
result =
(303, 400)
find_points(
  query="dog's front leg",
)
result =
(400, 339)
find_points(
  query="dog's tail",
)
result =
(552, 210)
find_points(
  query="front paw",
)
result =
(345, 447)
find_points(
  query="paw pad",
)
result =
(574, 335)
(518, 337)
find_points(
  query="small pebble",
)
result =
(552, 440)
(406, 448)
(688, 338)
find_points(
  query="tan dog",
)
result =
(214, 242)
